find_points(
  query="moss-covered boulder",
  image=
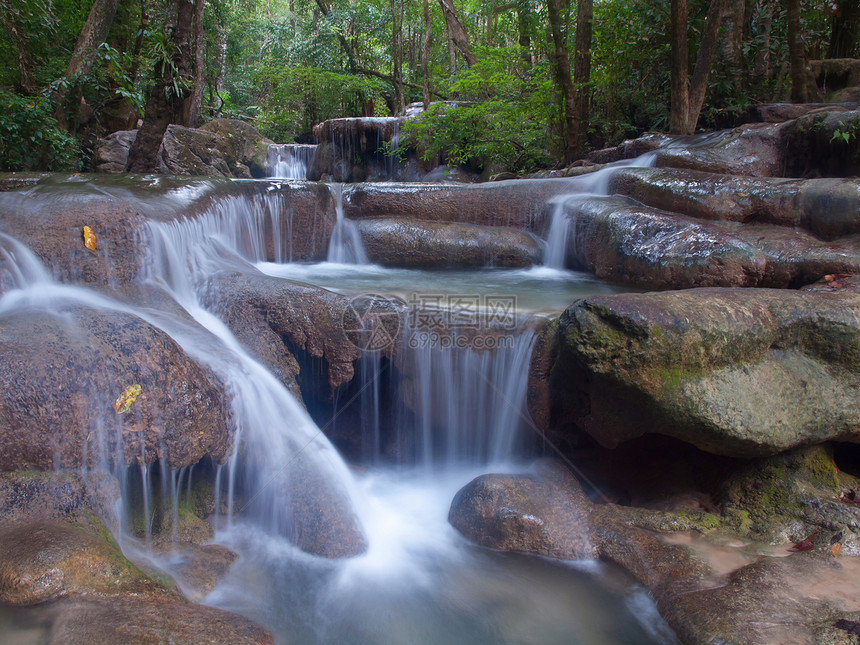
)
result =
(737, 372)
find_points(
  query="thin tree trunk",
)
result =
(704, 63)
(425, 53)
(18, 37)
(582, 72)
(93, 34)
(524, 29)
(762, 61)
(456, 33)
(396, 58)
(138, 42)
(221, 48)
(680, 92)
(165, 103)
(191, 108)
(561, 64)
(802, 86)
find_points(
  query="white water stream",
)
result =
(419, 581)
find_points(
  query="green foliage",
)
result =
(29, 137)
(502, 116)
(301, 97)
(846, 132)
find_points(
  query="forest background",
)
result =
(518, 84)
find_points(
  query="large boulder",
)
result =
(221, 148)
(63, 372)
(244, 144)
(544, 513)
(738, 372)
(422, 244)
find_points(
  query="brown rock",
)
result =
(43, 560)
(546, 513)
(62, 375)
(125, 620)
(199, 568)
(414, 243)
(737, 372)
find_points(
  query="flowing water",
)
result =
(459, 412)
(289, 160)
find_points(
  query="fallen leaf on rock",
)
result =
(804, 545)
(128, 396)
(849, 496)
(850, 626)
(837, 537)
(836, 549)
(89, 238)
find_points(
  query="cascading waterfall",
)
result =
(562, 229)
(345, 246)
(289, 160)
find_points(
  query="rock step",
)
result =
(434, 245)
(829, 208)
(621, 240)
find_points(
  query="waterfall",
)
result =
(280, 459)
(562, 229)
(345, 246)
(289, 160)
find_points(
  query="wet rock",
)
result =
(131, 620)
(733, 372)
(62, 374)
(200, 568)
(72, 496)
(827, 207)
(247, 148)
(545, 513)
(630, 148)
(518, 204)
(309, 318)
(836, 73)
(110, 154)
(46, 559)
(448, 174)
(782, 112)
(361, 149)
(622, 241)
(413, 243)
(752, 150)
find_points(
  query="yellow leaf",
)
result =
(836, 549)
(89, 238)
(129, 395)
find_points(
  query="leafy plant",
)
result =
(29, 137)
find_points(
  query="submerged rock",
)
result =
(413, 243)
(734, 372)
(545, 513)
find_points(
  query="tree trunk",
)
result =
(680, 92)
(524, 21)
(456, 33)
(762, 61)
(582, 73)
(93, 34)
(561, 65)
(845, 29)
(221, 56)
(18, 36)
(802, 85)
(425, 53)
(171, 88)
(704, 63)
(397, 55)
(191, 108)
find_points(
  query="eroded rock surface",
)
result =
(422, 244)
(734, 372)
